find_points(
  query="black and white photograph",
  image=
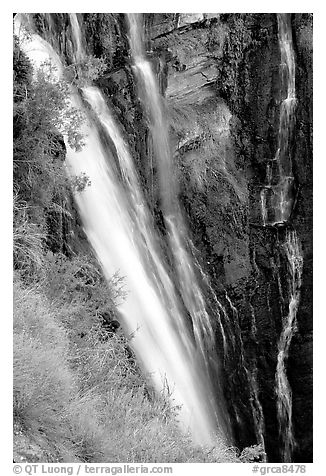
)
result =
(162, 241)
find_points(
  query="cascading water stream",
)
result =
(283, 389)
(277, 203)
(137, 206)
(118, 226)
(180, 244)
(277, 195)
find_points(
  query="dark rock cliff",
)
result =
(220, 75)
(223, 92)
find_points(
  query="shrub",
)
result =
(42, 114)
(86, 71)
(43, 382)
(77, 285)
(28, 241)
(87, 400)
(252, 454)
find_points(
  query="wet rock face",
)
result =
(191, 50)
(300, 362)
(220, 76)
(223, 93)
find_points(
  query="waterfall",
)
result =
(277, 195)
(119, 227)
(283, 389)
(79, 53)
(277, 198)
(180, 244)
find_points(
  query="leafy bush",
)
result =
(86, 71)
(28, 240)
(87, 400)
(77, 284)
(80, 182)
(42, 202)
(252, 454)
(22, 72)
(204, 146)
(43, 382)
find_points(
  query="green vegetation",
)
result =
(79, 394)
(203, 136)
(42, 191)
(82, 73)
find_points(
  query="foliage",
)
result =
(28, 240)
(86, 71)
(86, 400)
(252, 454)
(184, 119)
(203, 137)
(80, 182)
(42, 114)
(22, 72)
(77, 284)
(38, 148)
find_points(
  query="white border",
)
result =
(319, 190)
